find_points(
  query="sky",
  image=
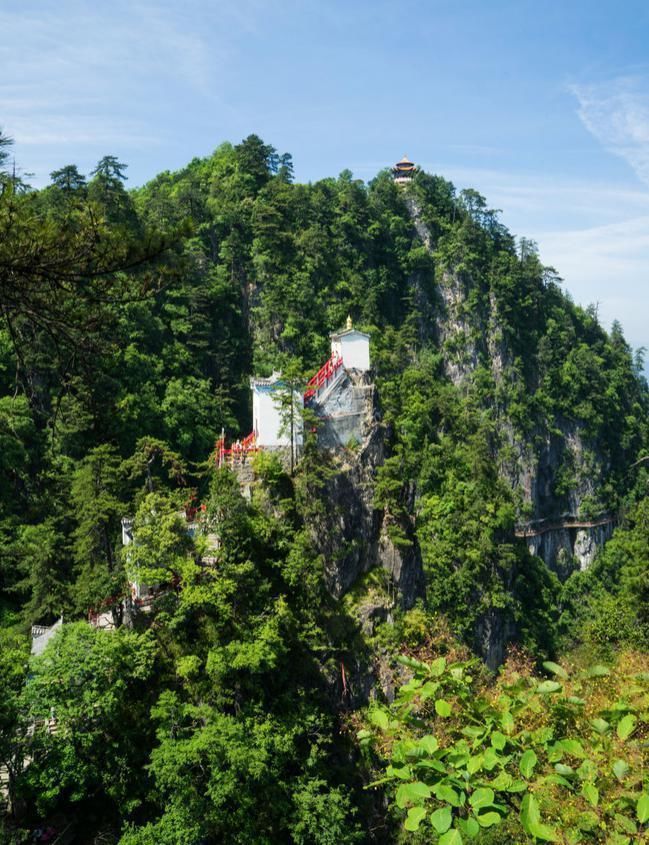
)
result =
(542, 107)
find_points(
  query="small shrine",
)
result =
(352, 347)
(277, 425)
(403, 171)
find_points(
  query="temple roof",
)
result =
(404, 164)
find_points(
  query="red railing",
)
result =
(95, 612)
(237, 452)
(323, 377)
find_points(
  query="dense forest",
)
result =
(496, 697)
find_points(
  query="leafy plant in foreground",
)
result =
(561, 759)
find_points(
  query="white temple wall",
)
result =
(267, 418)
(354, 349)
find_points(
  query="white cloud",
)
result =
(80, 79)
(607, 265)
(617, 114)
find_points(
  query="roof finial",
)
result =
(349, 322)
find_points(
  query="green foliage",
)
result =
(160, 554)
(131, 322)
(560, 759)
(606, 607)
(14, 652)
(94, 688)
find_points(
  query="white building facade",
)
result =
(353, 347)
(272, 413)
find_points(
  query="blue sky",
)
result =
(542, 107)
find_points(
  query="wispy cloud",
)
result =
(617, 114)
(97, 78)
(608, 265)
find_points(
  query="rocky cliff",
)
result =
(350, 531)
(553, 468)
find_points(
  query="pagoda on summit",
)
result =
(403, 171)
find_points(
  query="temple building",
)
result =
(403, 171)
(277, 425)
(352, 346)
(271, 413)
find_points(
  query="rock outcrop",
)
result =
(351, 532)
(470, 336)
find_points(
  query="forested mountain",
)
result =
(495, 516)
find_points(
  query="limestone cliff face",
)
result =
(564, 544)
(555, 472)
(350, 532)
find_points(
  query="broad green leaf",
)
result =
(573, 747)
(620, 769)
(401, 772)
(530, 815)
(415, 817)
(475, 764)
(502, 782)
(617, 839)
(412, 793)
(587, 770)
(482, 797)
(555, 669)
(410, 749)
(543, 735)
(469, 827)
(559, 779)
(489, 819)
(531, 820)
(441, 819)
(588, 821)
(430, 763)
(379, 718)
(443, 708)
(527, 763)
(428, 690)
(547, 687)
(590, 793)
(544, 832)
(498, 740)
(642, 808)
(458, 759)
(562, 769)
(437, 667)
(446, 793)
(597, 671)
(452, 837)
(490, 758)
(429, 744)
(626, 726)
(626, 824)
(507, 722)
(600, 725)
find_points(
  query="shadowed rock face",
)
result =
(347, 411)
(351, 533)
(565, 548)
